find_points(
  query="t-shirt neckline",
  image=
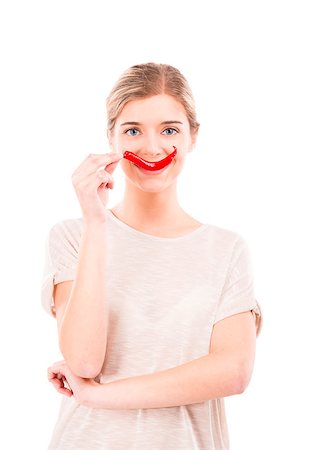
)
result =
(151, 236)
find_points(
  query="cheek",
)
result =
(180, 160)
(128, 167)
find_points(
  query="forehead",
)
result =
(155, 109)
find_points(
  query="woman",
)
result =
(156, 313)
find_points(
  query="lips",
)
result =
(151, 172)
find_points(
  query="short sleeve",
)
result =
(60, 261)
(238, 290)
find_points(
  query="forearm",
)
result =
(83, 330)
(205, 378)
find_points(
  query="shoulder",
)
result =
(228, 245)
(66, 225)
(65, 231)
(226, 237)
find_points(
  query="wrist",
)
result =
(89, 394)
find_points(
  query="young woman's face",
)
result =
(152, 139)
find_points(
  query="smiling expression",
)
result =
(150, 127)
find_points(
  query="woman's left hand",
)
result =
(67, 383)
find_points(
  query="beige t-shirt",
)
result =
(165, 295)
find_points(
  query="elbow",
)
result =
(86, 366)
(239, 386)
(241, 379)
(84, 369)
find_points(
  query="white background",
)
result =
(254, 70)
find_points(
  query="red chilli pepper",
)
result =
(150, 165)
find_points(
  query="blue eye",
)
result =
(131, 129)
(128, 131)
(173, 129)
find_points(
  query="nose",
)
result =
(151, 149)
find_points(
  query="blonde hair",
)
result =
(146, 80)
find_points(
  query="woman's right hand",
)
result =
(91, 181)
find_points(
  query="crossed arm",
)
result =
(225, 371)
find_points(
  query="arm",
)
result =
(225, 371)
(82, 318)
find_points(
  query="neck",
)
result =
(149, 209)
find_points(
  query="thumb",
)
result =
(110, 168)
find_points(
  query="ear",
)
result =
(110, 140)
(193, 141)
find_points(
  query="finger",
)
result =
(65, 391)
(93, 181)
(54, 371)
(66, 384)
(112, 166)
(51, 373)
(94, 161)
(65, 387)
(61, 386)
(55, 367)
(57, 384)
(107, 184)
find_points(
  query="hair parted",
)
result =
(146, 80)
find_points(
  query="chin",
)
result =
(153, 188)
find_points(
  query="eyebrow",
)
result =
(166, 122)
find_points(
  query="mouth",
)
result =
(151, 172)
(150, 166)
